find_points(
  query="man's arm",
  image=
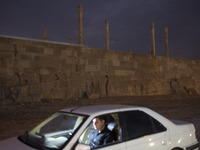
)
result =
(108, 138)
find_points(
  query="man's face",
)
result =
(99, 124)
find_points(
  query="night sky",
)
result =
(129, 23)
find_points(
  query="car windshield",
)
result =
(54, 132)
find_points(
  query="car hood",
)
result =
(14, 144)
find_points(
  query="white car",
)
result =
(136, 128)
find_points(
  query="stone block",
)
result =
(34, 49)
(25, 64)
(48, 51)
(66, 53)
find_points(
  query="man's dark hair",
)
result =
(102, 117)
(107, 118)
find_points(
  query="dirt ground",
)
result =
(16, 118)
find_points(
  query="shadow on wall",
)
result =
(94, 90)
(177, 88)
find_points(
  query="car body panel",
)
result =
(116, 146)
(182, 135)
(158, 141)
(14, 144)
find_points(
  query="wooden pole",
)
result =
(166, 42)
(80, 24)
(71, 40)
(45, 34)
(107, 34)
(152, 39)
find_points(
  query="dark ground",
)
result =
(16, 118)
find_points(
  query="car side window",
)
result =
(139, 124)
(112, 124)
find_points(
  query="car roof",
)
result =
(100, 109)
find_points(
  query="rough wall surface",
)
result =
(33, 70)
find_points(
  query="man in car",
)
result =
(101, 135)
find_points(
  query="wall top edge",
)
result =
(42, 41)
(109, 51)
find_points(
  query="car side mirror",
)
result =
(82, 147)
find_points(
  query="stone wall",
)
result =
(33, 70)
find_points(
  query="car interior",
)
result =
(112, 123)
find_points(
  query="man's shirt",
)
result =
(102, 138)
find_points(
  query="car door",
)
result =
(116, 146)
(113, 125)
(119, 146)
(143, 132)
